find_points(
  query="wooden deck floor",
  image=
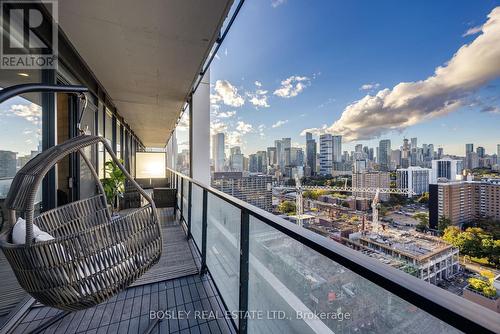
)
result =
(173, 284)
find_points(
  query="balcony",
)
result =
(227, 266)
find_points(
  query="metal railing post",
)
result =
(182, 200)
(190, 194)
(204, 233)
(244, 269)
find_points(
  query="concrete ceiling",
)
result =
(146, 54)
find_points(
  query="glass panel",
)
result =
(185, 200)
(100, 132)
(118, 139)
(223, 248)
(287, 276)
(108, 132)
(87, 182)
(20, 131)
(197, 214)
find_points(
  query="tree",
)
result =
(443, 223)
(450, 234)
(287, 207)
(423, 221)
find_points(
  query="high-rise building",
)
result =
(440, 153)
(325, 154)
(218, 154)
(371, 179)
(469, 148)
(236, 159)
(296, 156)
(446, 169)
(280, 155)
(480, 152)
(8, 163)
(286, 144)
(258, 162)
(464, 201)
(311, 153)
(413, 143)
(405, 154)
(271, 156)
(395, 159)
(253, 189)
(384, 158)
(337, 148)
(498, 154)
(415, 179)
(472, 160)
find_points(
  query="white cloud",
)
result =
(258, 83)
(410, 103)
(223, 114)
(370, 86)
(473, 31)
(243, 127)
(292, 86)
(226, 93)
(279, 123)
(261, 129)
(276, 3)
(30, 112)
(259, 98)
(217, 127)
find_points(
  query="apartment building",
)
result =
(464, 201)
(414, 178)
(371, 179)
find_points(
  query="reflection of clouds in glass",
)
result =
(31, 112)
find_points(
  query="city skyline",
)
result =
(257, 97)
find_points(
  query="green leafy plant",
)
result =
(484, 284)
(113, 183)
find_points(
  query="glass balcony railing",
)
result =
(276, 277)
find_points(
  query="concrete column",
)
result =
(200, 143)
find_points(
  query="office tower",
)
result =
(480, 151)
(286, 144)
(371, 154)
(464, 201)
(236, 159)
(469, 148)
(261, 161)
(395, 159)
(416, 179)
(440, 153)
(271, 156)
(446, 169)
(218, 155)
(384, 154)
(311, 153)
(371, 180)
(358, 148)
(253, 189)
(296, 156)
(430, 149)
(252, 163)
(325, 154)
(413, 143)
(359, 166)
(280, 156)
(8, 163)
(405, 154)
(337, 148)
(472, 160)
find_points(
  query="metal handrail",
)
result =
(456, 311)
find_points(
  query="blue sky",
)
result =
(329, 50)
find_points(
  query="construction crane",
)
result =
(299, 203)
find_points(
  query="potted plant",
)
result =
(114, 184)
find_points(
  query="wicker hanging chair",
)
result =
(92, 256)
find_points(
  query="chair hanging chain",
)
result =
(83, 97)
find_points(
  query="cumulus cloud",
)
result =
(30, 112)
(243, 127)
(217, 127)
(258, 98)
(410, 103)
(370, 86)
(258, 83)
(223, 114)
(473, 31)
(261, 129)
(226, 93)
(279, 123)
(292, 86)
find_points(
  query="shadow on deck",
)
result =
(172, 285)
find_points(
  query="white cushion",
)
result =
(19, 233)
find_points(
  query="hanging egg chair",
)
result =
(88, 256)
